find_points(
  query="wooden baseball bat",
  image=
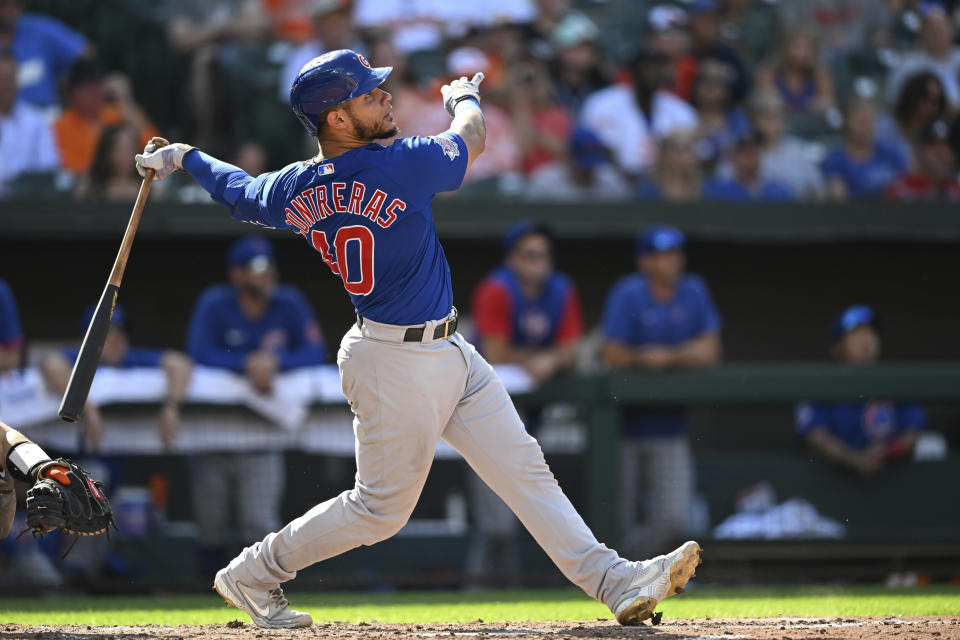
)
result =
(75, 396)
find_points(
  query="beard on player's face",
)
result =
(372, 132)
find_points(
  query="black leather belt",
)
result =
(415, 334)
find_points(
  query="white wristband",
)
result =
(25, 456)
(466, 104)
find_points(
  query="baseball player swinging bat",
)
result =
(410, 377)
(85, 367)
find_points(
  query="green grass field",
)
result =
(490, 606)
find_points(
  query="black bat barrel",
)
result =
(89, 357)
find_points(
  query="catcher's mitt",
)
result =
(66, 497)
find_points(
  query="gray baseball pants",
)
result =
(405, 396)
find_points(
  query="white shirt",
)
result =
(613, 114)
(26, 143)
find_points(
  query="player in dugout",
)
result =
(409, 376)
(860, 436)
(118, 352)
(258, 328)
(524, 313)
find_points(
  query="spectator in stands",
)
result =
(583, 173)
(784, 159)
(747, 181)
(201, 31)
(251, 157)
(860, 436)
(44, 49)
(937, 53)
(578, 66)
(721, 120)
(95, 102)
(706, 44)
(669, 35)
(543, 126)
(934, 176)
(26, 140)
(657, 319)
(804, 84)
(332, 29)
(11, 334)
(921, 101)
(257, 329)
(860, 167)
(118, 352)
(631, 120)
(677, 177)
(525, 313)
(111, 177)
(750, 27)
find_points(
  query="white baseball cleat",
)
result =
(656, 579)
(267, 607)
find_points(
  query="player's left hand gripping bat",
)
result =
(86, 365)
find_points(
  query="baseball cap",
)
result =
(254, 252)
(118, 320)
(587, 149)
(660, 238)
(665, 17)
(520, 230)
(574, 29)
(851, 318)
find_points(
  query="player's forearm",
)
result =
(620, 356)
(470, 125)
(9, 359)
(178, 367)
(18, 454)
(830, 448)
(703, 351)
(56, 371)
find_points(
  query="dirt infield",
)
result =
(930, 628)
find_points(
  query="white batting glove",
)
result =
(461, 89)
(162, 158)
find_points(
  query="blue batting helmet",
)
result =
(330, 80)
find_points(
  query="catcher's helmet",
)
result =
(332, 79)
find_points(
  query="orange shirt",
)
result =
(291, 19)
(78, 136)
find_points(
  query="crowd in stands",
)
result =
(658, 100)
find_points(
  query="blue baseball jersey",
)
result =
(633, 317)
(367, 212)
(861, 424)
(220, 335)
(45, 49)
(134, 357)
(11, 335)
(500, 309)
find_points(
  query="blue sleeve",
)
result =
(911, 417)
(707, 312)
(261, 200)
(429, 165)
(308, 347)
(617, 320)
(70, 353)
(11, 334)
(810, 416)
(203, 344)
(138, 357)
(62, 43)
(833, 164)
